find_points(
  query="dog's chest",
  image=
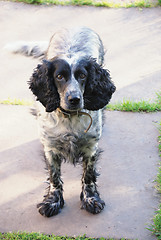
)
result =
(67, 136)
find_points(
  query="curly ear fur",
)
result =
(42, 85)
(99, 87)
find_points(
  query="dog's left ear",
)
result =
(99, 87)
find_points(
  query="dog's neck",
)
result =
(69, 114)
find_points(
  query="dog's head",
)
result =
(84, 84)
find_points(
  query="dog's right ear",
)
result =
(43, 87)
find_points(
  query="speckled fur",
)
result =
(64, 137)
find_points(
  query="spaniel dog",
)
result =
(72, 89)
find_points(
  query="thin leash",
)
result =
(78, 113)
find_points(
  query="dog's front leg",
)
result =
(90, 198)
(53, 201)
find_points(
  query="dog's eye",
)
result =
(60, 77)
(82, 76)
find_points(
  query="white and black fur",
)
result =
(72, 89)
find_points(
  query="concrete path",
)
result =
(130, 160)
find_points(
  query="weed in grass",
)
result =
(155, 228)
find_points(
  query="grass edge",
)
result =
(16, 101)
(36, 235)
(101, 3)
(137, 106)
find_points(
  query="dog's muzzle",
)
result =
(72, 98)
(74, 101)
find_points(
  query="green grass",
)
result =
(109, 4)
(137, 106)
(159, 2)
(96, 3)
(16, 101)
(38, 236)
(132, 106)
(26, 236)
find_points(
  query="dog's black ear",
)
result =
(99, 87)
(43, 87)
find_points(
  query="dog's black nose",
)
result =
(74, 100)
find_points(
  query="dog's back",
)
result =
(79, 42)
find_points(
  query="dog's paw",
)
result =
(51, 205)
(93, 204)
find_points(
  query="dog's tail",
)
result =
(35, 49)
